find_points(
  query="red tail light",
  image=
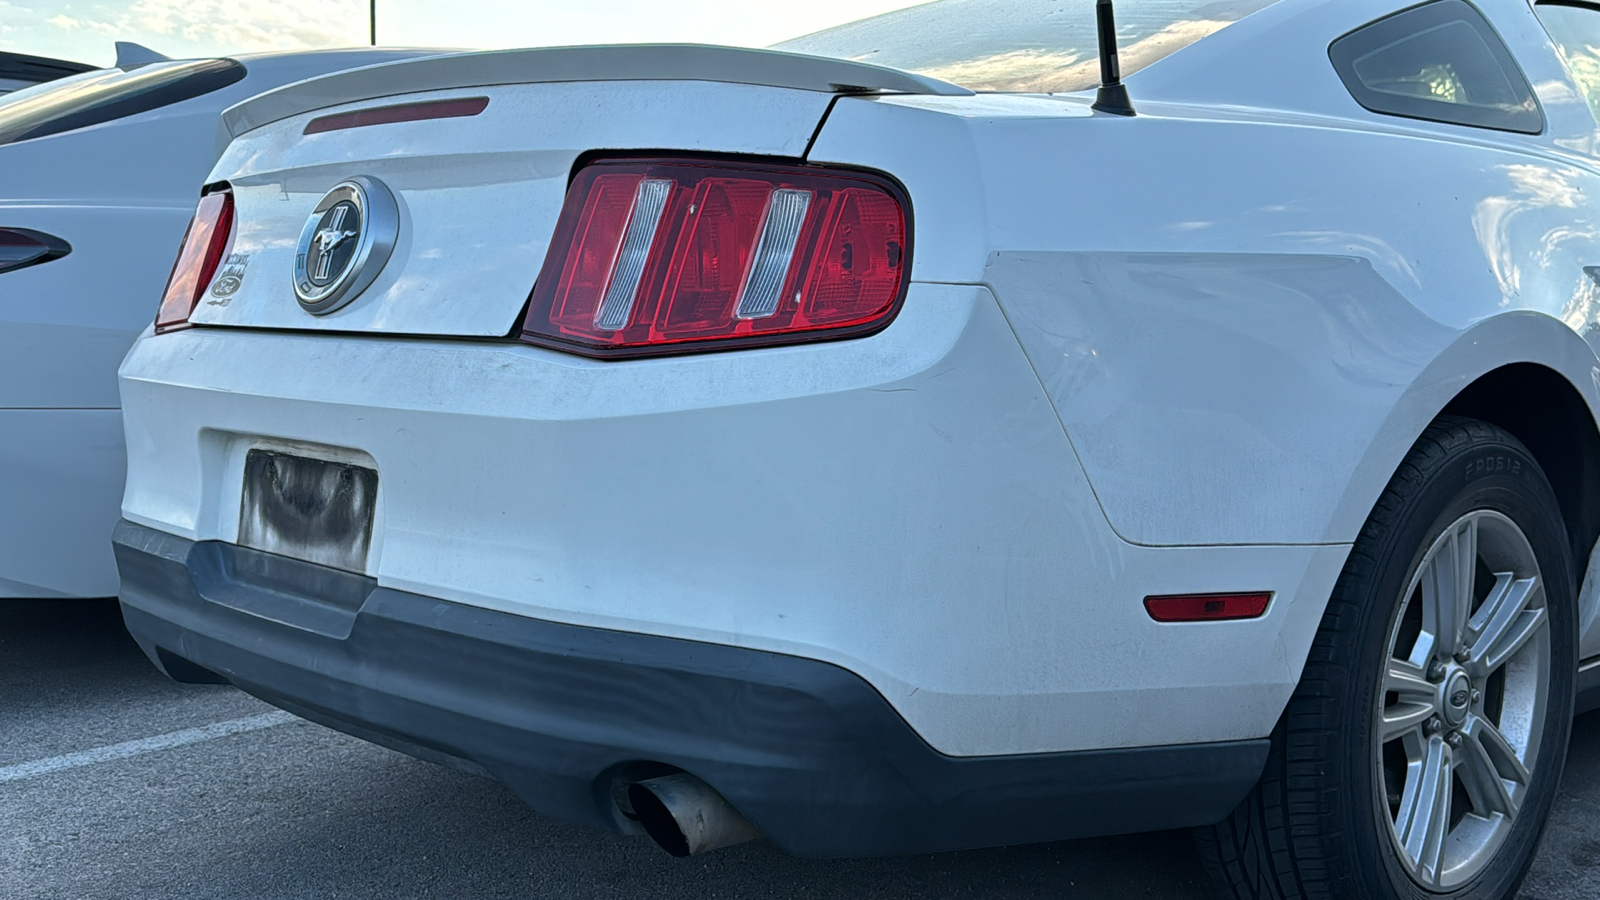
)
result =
(204, 245)
(662, 256)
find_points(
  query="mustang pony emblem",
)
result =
(344, 244)
(328, 239)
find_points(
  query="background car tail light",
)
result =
(23, 247)
(661, 256)
(204, 245)
(1207, 607)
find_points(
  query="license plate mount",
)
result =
(316, 510)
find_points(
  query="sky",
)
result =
(84, 30)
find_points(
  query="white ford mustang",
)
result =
(98, 172)
(912, 450)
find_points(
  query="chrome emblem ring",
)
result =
(345, 242)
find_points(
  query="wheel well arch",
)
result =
(1550, 417)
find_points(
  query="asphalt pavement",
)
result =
(116, 783)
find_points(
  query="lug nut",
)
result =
(1436, 671)
(1463, 657)
(1477, 695)
(1432, 726)
(1453, 739)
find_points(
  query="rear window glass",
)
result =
(1033, 46)
(1576, 32)
(1442, 62)
(107, 94)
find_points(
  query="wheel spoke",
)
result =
(1508, 589)
(1497, 749)
(1479, 773)
(1402, 718)
(1424, 818)
(1414, 702)
(1409, 680)
(1447, 588)
(1508, 622)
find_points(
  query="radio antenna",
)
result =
(1113, 95)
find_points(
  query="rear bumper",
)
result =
(564, 714)
(905, 506)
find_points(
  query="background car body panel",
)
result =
(1179, 352)
(61, 465)
(121, 194)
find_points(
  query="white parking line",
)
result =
(143, 746)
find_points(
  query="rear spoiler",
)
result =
(22, 67)
(619, 62)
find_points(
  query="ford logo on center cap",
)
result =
(345, 242)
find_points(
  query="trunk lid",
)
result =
(478, 195)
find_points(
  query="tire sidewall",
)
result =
(1496, 475)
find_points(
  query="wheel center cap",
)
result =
(1457, 698)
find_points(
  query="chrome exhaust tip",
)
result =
(685, 816)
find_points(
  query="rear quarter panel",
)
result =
(1245, 315)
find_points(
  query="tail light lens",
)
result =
(663, 256)
(23, 247)
(204, 245)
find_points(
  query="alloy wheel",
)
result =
(1463, 700)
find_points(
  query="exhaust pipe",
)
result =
(684, 815)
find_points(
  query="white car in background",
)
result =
(912, 450)
(98, 172)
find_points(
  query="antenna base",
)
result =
(1113, 99)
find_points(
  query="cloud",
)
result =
(182, 28)
(282, 25)
(199, 28)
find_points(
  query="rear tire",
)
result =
(1347, 807)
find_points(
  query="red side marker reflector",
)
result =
(400, 112)
(1206, 607)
